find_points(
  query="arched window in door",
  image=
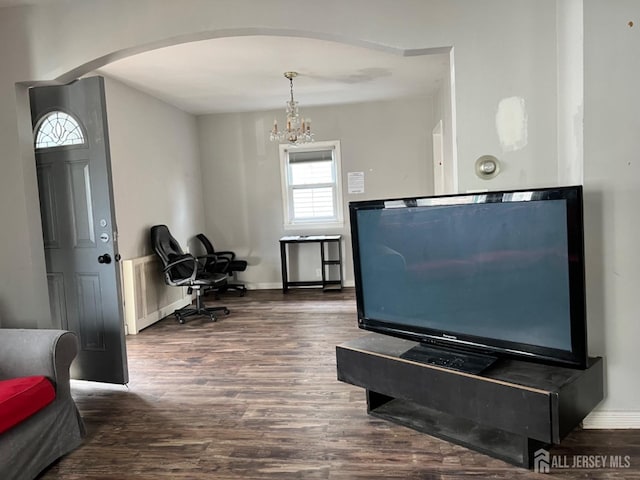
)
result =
(57, 129)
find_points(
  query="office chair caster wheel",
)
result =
(180, 319)
(213, 318)
(226, 311)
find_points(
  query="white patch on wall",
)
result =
(511, 124)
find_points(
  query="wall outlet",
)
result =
(318, 273)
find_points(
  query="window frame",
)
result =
(72, 118)
(290, 222)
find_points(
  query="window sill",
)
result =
(314, 226)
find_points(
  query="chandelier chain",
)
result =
(291, 87)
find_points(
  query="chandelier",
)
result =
(298, 130)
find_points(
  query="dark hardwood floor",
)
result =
(255, 396)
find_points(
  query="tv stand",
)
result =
(509, 411)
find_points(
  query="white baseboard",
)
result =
(612, 420)
(264, 286)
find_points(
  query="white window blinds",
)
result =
(311, 180)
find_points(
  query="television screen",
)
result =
(498, 272)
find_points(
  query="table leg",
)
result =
(283, 266)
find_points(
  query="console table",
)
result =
(509, 411)
(325, 262)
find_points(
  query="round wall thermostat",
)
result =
(487, 166)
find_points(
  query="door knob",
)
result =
(106, 258)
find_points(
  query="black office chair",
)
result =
(223, 262)
(183, 269)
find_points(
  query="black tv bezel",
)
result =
(575, 358)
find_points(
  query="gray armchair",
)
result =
(29, 447)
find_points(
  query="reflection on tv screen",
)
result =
(497, 270)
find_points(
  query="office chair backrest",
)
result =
(169, 250)
(208, 246)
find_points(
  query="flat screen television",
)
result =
(494, 273)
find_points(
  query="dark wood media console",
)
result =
(508, 411)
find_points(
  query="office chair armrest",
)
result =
(213, 259)
(183, 259)
(226, 253)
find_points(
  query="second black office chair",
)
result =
(184, 270)
(224, 261)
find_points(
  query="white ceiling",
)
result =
(240, 74)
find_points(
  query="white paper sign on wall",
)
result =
(356, 182)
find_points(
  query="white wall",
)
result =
(156, 168)
(514, 55)
(389, 141)
(23, 285)
(503, 48)
(570, 92)
(612, 184)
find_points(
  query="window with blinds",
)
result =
(310, 184)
